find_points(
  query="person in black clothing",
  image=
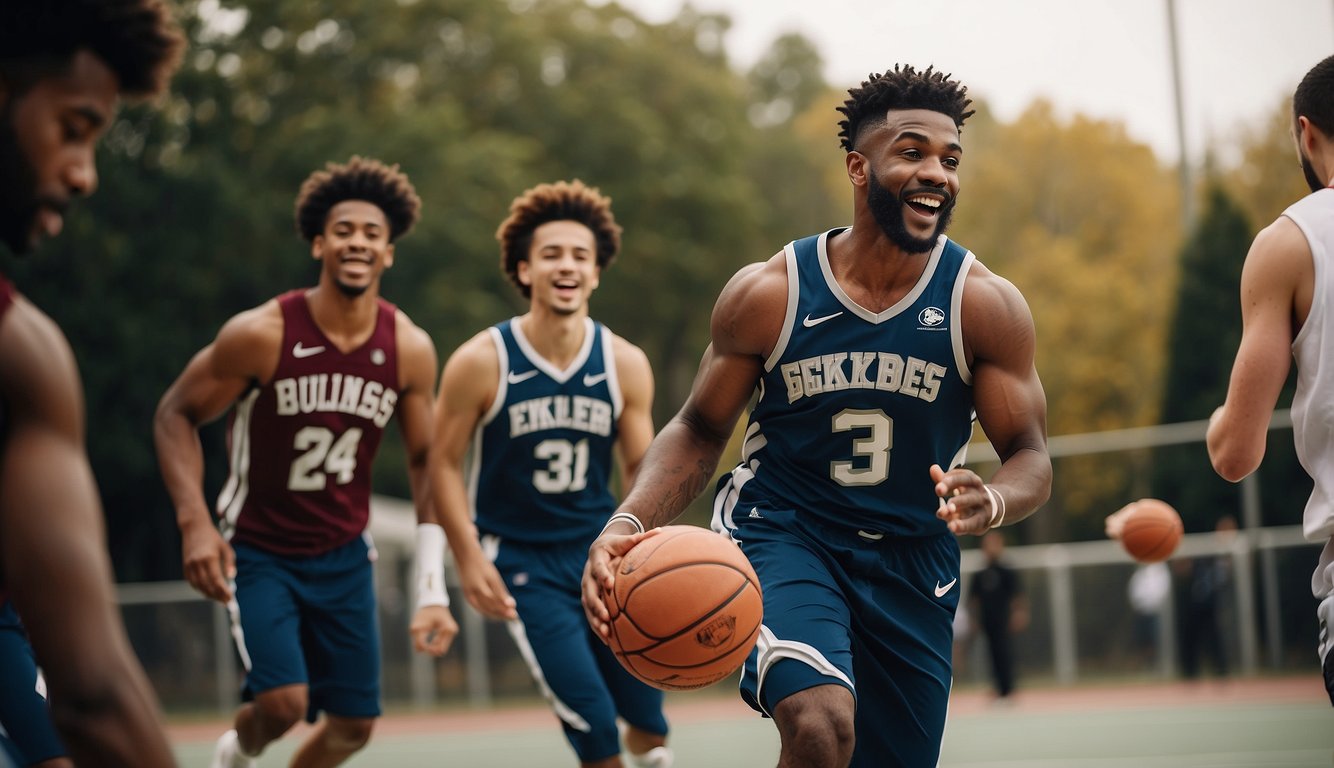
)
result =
(997, 596)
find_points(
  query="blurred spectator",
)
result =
(997, 596)
(1148, 590)
(1208, 583)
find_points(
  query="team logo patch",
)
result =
(931, 317)
(377, 356)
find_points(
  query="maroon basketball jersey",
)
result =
(301, 446)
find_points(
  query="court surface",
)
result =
(1269, 723)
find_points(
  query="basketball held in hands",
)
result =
(685, 608)
(1152, 531)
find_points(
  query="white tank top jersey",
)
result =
(1313, 349)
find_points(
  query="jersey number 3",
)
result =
(871, 449)
(323, 456)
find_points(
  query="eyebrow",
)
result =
(94, 117)
(953, 146)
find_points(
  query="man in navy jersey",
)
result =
(544, 400)
(870, 347)
(64, 65)
(311, 378)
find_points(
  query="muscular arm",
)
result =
(635, 427)
(467, 388)
(683, 457)
(56, 566)
(1011, 407)
(246, 349)
(1278, 263)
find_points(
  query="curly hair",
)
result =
(1314, 98)
(903, 88)
(561, 201)
(384, 186)
(139, 40)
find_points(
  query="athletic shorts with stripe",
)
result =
(864, 610)
(577, 673)
(310, 620)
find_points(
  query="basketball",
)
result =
(1152, 531)
(685, 608)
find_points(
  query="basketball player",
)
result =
(1287, 313)
(543, 399)
(869, 347)
(64, 65)
(311, 377)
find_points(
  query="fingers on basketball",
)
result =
(685, 609)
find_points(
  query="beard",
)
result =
(1308, 171)
(18, 180)
(888, 212)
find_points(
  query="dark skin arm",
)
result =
(56, 566)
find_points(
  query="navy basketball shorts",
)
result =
(580, 677)
(311, 621)
(26, 732)
(867, 611)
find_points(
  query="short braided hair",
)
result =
(901, 88)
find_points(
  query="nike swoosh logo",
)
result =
(592, 379)
(515, 378)
(299, 351)
(811, 322)
(940, 591)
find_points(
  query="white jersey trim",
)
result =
(790, 316)
(613, 381)
(899, 306)
(234, 493)
(544, 365)
(956, 327)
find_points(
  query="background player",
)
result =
(64, 64)
(1287, 313)
(870, 346)
(312, 377)
(543, 399)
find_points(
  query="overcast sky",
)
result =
(1104, 58)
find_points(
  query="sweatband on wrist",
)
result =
(624, 517)
(997, 507)
(431, 566)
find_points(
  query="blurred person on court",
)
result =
(1287, 312)
(1203, 604)
(868, 348)
(1147, 591)
(549, 402)
(64, 67)
(311, 378)
(997, 596)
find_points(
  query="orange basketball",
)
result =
(685, 609)
(1152, 531)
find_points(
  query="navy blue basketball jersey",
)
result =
(542, 455)
(855, 406)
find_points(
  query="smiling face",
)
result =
(354, 247)
(48, 138)
(911, 172)
(561, 270)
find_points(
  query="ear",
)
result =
(597, 277)
(388, 256)
(317, 248)
(1306, 135)
(856, 163)
(521, 272)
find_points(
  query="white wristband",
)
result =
(431, 566)
(626, 517)
(997, 507)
